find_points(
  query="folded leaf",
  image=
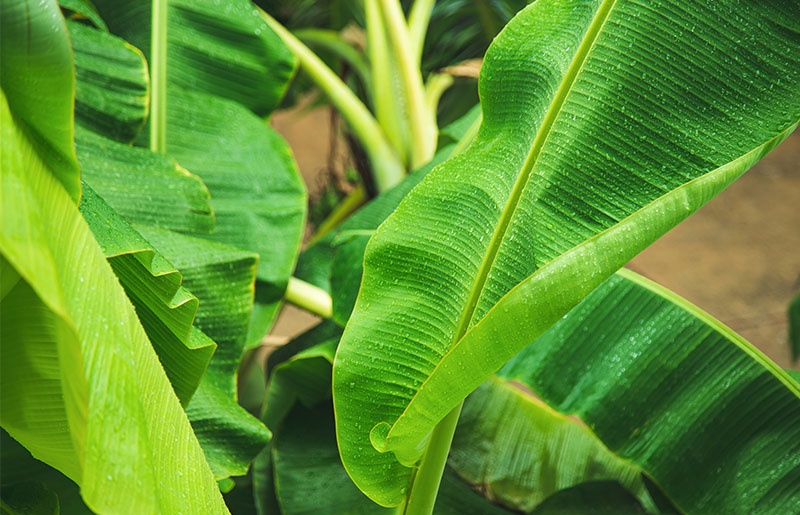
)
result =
(668, 388)
(221, 277)
(604, 125)
(521, 452)
(225, 51)
(165, 309)
(83, 9)
(112, 83)
(82, 387)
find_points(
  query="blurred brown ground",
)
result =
(738, 258)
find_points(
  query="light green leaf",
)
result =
(112, 84)
(521, 452)
(604, 125)
(221, 277)
(145, 187)
(82, 388)
(36, 75)
(83, 9)
(222, 49)
(671, 390)
(165, 309)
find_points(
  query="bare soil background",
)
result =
(738, 258)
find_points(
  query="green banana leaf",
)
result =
(711, 419)
(165, 309)
(82, 10)
(221, 277)
(104, 415)
(257, 194)
(521, 452)
(144, 187)
(37, 78)
(604, 125)
(226, 51)
(112, 84)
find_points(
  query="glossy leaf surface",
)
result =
(605, 124)
(145, 187)
(222, 49)
(60, 377)
(112, 83)
(670, 389)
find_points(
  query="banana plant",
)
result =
(484, 351)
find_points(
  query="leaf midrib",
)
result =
(533, 155)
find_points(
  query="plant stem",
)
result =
(387, 101)
(418, 20)
(422, 123)
(309, 297)
(331, 40)
(158, 77)
(386, 166)
(345, 208)
(426, 481)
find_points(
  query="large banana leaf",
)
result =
(165, 309)
(82, 388)
(604, 125)
(667, 387)
(112, 86)
(225, 50)
(37, 78)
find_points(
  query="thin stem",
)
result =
(346, 207)
(422, 123)
(437, 84)
(386, 167)
(426, 482)
(158, 77)
(309, 297)
(331, 40)
(418, 20)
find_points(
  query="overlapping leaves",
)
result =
(605, 124)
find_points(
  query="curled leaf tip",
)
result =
(379, 435)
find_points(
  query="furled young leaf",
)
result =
(165, 309)
(111, 94)
(82, 388)
(145, 187)
(670, 389)
(221, 277)
(222, 49)
(521, 451)
(37, 78)
(604, 125)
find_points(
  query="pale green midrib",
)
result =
(533, 154)
(714, 324)
(158, 76)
